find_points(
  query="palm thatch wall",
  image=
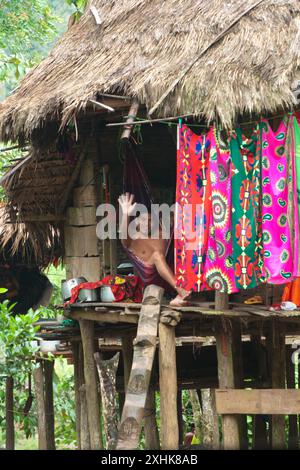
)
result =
(142, 46)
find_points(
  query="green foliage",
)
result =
(17, 341)
(22, 25)
(64, 403)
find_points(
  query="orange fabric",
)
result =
(291, 292)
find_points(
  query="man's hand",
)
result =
(127, 203)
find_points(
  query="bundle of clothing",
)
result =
(238, 207)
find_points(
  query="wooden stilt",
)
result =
(239, 378)
(293, 442)
(276, 357)
(144, 351)
(259, 430)
(150, 425)
(197, 412)
(127, 350)
(92, 393)
(38, 377)
(226, 373)
(77, 384)
(85, 442)
(168, 388)
(210, 421)
(9, 405)
(180, 417)
(107, 370)
(49, 405)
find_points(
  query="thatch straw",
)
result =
(33, 244)
(142, 46)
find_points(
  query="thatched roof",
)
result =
(141, 48)
(31, 243)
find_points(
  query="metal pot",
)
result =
(67, 286)
(89, 295)
(107, 294)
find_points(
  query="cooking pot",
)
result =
(67, 286)
(89, 295)
(107, 294)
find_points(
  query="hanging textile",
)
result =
(277, 238)
(203, 220)
(293, 214)
(192, 209)
(246, 218)
(296, 126)
(218, 266)
(291, 292)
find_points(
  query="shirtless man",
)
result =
(149, 251)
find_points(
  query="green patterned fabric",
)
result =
(246, 211)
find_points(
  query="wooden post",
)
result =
(180, 418)
(75, 351)
(144, 351)
(260, 434)
(127, 351)
(210, 421)
(49, 405)
(85, 442)
(92, 393)
(221, 301)
(276, 358)
(150, 425)
(9, 405)
(38, 377)
(293, 442)
(130, 120)
(107, 370)
(197, 412)
(227, 379)
(168, 388)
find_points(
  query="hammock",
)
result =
(135, 181)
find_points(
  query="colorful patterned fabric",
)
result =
(203, 245)
(246, 222)
(218, 267)
(192, 209)
(293, 215)
(296, 123)
(124, 288)
(275, 203)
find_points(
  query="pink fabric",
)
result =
(278, 255)
(218, 265)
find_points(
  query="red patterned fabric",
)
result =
(124, 288)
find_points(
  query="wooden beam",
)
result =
(150, 425)
(38, 377)
(293, 442)
(92, 395)
(77, 384)
(276, 358)
(107, 370)
(130, 120)
(49, 404)
(127, 352)
(9, 413)
(143, 357)
(111, 317)
(227, 379)
(168, 388)
(258, 402)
